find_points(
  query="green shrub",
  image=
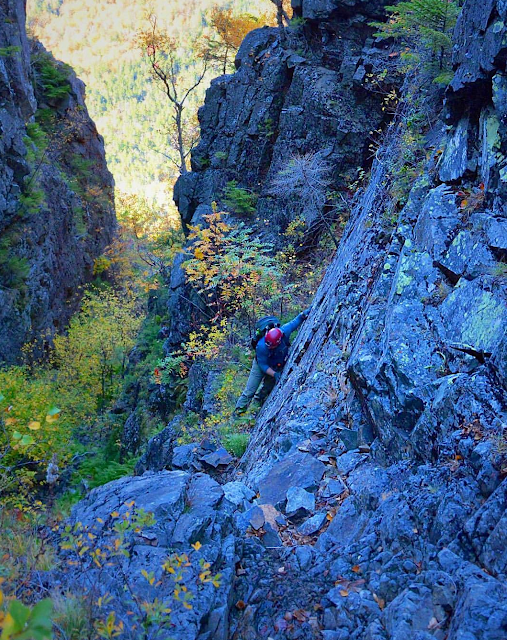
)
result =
(98, 471)
(31, 201)
(236, 443)
(425, 28)
(239, 200)
(13, 269)
(51, 77)
(7, 52)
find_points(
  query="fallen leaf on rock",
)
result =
(380, 601)
(344, 592)
(301, 615)
(349, 585)
(356, 568)
(240, 605)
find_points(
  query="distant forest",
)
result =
(98, 39)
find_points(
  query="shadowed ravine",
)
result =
(371, 502)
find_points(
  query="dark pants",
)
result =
(258, 387)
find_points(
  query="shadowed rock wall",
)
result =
(56, 193)
(307, 93)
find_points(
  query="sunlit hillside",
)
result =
(99, 40)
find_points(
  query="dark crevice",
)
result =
(453, 278)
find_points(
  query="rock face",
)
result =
(307, 96)
(186, 509)
(56, 194)
(408, 332)
(373, 499)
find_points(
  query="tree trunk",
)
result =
(181, 146)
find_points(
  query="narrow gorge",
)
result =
(371, 500)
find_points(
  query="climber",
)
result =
(271, 353)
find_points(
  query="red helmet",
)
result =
(273, 338)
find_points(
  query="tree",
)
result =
(233, 270)
(282, 16)
(425, 26)
(92, 356)
(229, 32)
(165, 59)
(148, 232)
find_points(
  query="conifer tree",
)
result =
(424, 25)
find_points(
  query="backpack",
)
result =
(262, 326)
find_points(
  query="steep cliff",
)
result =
(56, 193)
(371, 502)
(306, 95)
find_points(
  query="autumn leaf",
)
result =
(34, 425)
(301, 615)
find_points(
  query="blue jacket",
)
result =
(276, 358)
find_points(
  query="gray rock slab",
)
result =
(237, 492)
(313, 525)
(219, 458)
(203, 491)
(161, 493)
(299, 500)
(348, 462)
(184, 456)
(334, 488)
(271, 539)
(297, 470)
(349, 437)
(304, 554)
(253, 517)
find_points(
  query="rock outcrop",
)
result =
(371, 502)
(308, 95)
(56, 193)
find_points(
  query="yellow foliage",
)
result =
(229, 30)
(85, 374)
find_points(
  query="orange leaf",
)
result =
(344, 592)
(356, 568)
